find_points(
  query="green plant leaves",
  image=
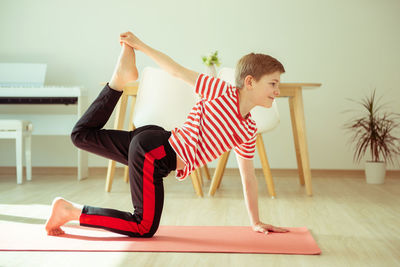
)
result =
(373, 130)
(211, 59)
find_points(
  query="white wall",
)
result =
(350, 47)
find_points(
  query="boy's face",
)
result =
(266, 89)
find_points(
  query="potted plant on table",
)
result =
(210, 61)
(373, 131)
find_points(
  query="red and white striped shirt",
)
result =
(213, 126)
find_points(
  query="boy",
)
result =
(220, 121)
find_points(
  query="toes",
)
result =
(56, 232)
(61, 232)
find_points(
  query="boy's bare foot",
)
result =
(62, 212)
(125, 70)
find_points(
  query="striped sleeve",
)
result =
(247, 150)
(210, 87)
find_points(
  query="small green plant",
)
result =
(211, 59)
(373, 130)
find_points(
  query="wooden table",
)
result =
(291, 90)
(294, 92)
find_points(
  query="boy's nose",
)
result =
(277, 92)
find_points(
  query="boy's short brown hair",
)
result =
(256, 65)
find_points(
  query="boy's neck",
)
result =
(245, 104)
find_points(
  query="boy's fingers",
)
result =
(257, 228)
(262, 230)
(123, 40)
(266, 228)
(126, 34)
(280, 230)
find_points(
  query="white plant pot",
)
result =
(375, 172)
(211, 71)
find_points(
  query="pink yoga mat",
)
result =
(222, 239)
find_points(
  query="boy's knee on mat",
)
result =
(146, 235)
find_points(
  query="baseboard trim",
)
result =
(229, 171)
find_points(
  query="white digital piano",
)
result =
(53, 110)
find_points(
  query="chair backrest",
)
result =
(162, 99)
(265, 118)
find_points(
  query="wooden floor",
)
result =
(354, 224)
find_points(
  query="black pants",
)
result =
(145, 150)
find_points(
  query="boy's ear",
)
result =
(248, 82)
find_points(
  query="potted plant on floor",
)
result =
(373, 131)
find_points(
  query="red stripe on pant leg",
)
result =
(109, 222)
(149, 198)
(148, 201)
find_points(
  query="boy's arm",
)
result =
(164, 61)
(250, 191)
(169, 65)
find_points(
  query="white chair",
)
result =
(165, 101)
(266, 119)
(19, 130)
(162, 100)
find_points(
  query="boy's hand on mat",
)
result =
(131, 40)
(266, 228)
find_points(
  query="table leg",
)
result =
(300, 141)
